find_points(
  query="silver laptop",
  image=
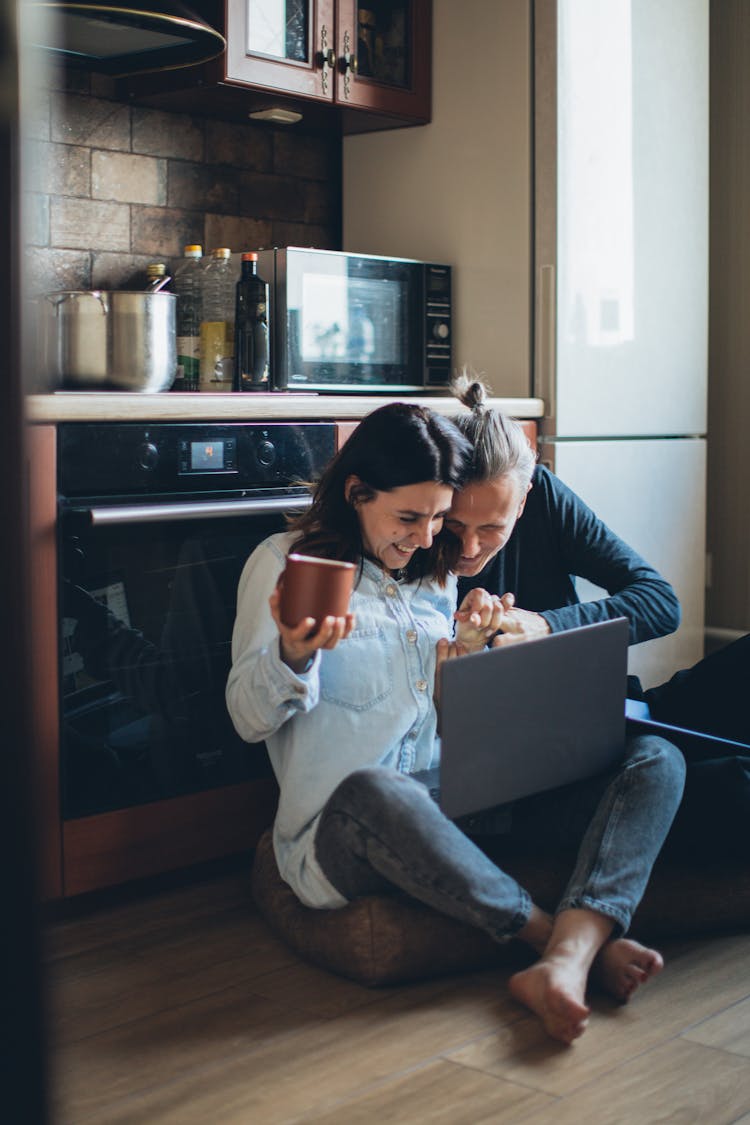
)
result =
(531, 716)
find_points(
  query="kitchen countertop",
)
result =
(113, 406)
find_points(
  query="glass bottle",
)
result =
(251, 355)
(217, 325)
(157, 278)
(187, 286)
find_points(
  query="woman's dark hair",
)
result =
(396, 445)
(500, 447)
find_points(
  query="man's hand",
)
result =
(518, 624)
(478, 618)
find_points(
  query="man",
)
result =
(524, 537)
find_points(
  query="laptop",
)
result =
(695, 745)
(532, 716)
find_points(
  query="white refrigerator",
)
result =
(621, 280)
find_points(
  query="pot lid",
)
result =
(120, 39)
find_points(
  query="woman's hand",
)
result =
(478, 618)
(298, 644)
(520, 624)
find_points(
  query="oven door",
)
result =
(147, 602)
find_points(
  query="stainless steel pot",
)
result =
(110, 340)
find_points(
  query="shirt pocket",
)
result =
(358, 673)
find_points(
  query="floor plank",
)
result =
(677, 1082)
(441, 1092)
(729, 1030)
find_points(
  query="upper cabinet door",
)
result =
(384, 56)
(284, 45)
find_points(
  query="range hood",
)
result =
(117, 39)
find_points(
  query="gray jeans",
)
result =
(381, 831)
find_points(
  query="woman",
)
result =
(347, 713)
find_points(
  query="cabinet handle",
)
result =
(326, 58)
(546, 340)
(348, 63)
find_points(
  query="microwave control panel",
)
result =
(438, 327)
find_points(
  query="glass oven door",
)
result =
(147, 597)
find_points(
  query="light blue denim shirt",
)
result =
(366, 702)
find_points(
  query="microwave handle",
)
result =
(217, 509)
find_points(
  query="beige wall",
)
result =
(479, 136)
(728, 598)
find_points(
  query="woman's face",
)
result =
(395, 524)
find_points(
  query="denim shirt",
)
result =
(366, 702)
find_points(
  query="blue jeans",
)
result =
(380, 831)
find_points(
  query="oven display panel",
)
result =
(208, 456)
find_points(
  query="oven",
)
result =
(155, 523)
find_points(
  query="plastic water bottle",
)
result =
(186, 283)
(217, 326)
(251, 356)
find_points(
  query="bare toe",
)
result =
(623, 965)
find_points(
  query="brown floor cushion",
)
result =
(383, 939)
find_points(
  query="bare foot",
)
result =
(554, 989)
(623, 965)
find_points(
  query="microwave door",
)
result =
(351, 323)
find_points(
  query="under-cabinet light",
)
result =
(280, 116)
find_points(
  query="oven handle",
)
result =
(216, 509)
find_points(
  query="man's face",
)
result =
(483, 516)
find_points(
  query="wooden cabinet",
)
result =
(337, 62)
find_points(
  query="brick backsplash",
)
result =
(110, 187)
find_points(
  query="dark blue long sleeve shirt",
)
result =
(559, 538)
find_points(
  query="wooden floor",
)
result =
(179, 1006)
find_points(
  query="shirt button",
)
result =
(390, 590)
(412, 735)
(421, 685)
(411, 636)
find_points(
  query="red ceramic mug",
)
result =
(316, 588)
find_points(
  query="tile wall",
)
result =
(111, 186)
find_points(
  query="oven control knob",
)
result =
(441, 331)
(148, 456)
(266, 453)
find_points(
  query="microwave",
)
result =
(357, 322)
